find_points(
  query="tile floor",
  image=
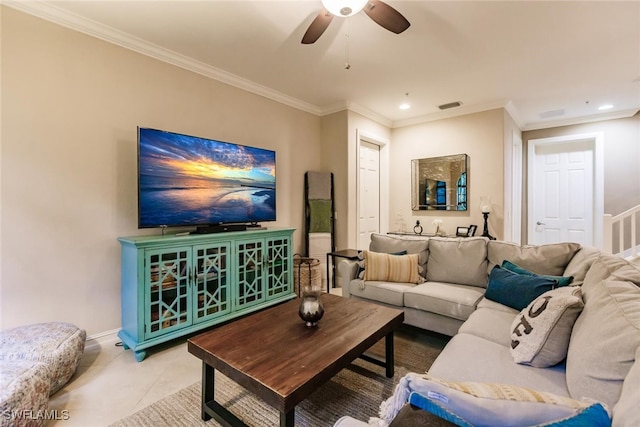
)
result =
(110, 385)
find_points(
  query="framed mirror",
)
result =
(440, 183)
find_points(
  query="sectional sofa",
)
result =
(537, 331)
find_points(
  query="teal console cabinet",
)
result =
(175, 285)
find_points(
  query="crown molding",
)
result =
(454, 112)
(623, 114)
(370, 114)
(49, 12)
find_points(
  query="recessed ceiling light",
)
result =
(405, 104)
(605, 107)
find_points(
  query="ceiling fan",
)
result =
(383, 14)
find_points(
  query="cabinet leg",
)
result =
(140, 355)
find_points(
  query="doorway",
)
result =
(371, 187)
(565, 197)
(369, 193)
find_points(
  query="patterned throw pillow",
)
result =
(501, 405)
(541, 332)
(391, 268)
(360, 263)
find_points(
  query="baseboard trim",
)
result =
(101, 338)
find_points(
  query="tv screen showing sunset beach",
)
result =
(185, 180)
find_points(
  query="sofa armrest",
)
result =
(347, 271)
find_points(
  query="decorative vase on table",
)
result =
(311, 308)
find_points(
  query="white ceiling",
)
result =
(547, 62)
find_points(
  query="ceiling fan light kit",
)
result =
(380, 12)
(344, 8)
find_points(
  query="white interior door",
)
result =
(561, 198)
(368, 193)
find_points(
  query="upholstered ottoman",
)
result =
(24, 393)
(58, 345)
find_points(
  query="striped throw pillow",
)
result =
(391, 268)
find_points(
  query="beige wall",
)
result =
(334, 155)
(479, 135)
(70, 108)
(621, 160)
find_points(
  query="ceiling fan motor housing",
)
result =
(344, 8)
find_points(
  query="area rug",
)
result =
(357, 391)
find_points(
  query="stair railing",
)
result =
(626, 244)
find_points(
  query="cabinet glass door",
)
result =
(211, 281)
(278, 267)
(167, 294)
(250, 273)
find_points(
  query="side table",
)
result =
(351, 254)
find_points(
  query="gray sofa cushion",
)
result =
(544, 259)
(490, 323)
(626, 413)
(604, 339)
(458, 260)
(385, 292)
(448, 299)
(580, 264)
(611, 267)
(471, 358)
(395, 244)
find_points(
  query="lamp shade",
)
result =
(485, 204)
(344, 8)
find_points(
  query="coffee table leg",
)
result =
(287, 419)
(208, 381)
(389, 359)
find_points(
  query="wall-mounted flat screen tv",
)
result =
(190, 181)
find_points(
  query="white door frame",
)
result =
(597, 139)
(383, 143)
(513, 188)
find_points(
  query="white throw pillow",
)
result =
(540, 333)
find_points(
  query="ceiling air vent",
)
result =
(551, 114)
(450, 105)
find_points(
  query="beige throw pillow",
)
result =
(391, 268)
(541, 332)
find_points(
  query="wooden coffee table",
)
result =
(275, 356)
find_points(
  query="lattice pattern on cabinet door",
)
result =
(212, 287)
(250, 286)
(278, 268)
(168, 304)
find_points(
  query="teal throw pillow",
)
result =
(562, 280)
(516, 290)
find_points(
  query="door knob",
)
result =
(540, 223)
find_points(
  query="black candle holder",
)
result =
(485, 232)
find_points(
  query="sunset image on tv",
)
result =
(185, 180)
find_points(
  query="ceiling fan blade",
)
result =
(317, 27)
(386, 16)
